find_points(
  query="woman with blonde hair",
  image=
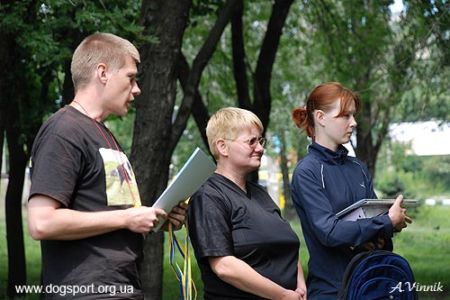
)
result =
(244, 248)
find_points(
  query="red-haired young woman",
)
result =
(326, 181)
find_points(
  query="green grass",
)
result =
(425, 244)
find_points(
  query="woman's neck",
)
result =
(326, 143)
(237, 177)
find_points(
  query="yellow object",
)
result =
(186, 284)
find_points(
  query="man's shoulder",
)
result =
(62, 119)
(63, 123)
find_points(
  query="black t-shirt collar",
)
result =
(234, 185)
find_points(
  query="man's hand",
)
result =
(398, 216)
(177, 216)
(143, 219)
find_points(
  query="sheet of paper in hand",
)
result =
(368, 208)
(191, 176)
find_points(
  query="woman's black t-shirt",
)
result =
(224, 221)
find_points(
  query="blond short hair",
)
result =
(227, 123)
(99, 48)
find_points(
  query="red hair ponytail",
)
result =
(301, 120)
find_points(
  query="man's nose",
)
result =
(136, 91)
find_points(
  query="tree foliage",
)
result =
(417, 177)
(37, 42)
(362, 45)
(263, 56)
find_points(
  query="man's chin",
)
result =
(122, 113)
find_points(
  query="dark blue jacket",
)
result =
(324, 183)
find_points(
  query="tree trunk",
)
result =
(239, 58)
(190, 77)
(17, 159)
(262, 98)
(364, 148)
(2, 140)
(165, 20)
(67, 88)
(199, 110)
(155, 135)
(289, 210)
(7, 49)
(13, 204)
(200, 62)
(263, 74)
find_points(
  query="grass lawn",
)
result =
(425, 244)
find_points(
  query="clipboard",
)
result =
(191, 176)
(368, 208)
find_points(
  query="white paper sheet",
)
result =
(193, 174)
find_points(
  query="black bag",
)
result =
(378, 274)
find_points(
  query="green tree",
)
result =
(22, 88)
(252, 64)
(37, 42)
(369, 51)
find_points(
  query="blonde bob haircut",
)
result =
(99, 48)
(227, 123)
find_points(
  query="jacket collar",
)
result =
(327, 155)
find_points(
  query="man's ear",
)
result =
(222, 147)
(319, 117)
(101, 73)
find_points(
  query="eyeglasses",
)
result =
(253, 142)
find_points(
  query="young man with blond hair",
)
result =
(84, 204)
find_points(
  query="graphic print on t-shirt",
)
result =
(121, 187)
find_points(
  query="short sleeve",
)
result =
(209, 225)
(56, 164)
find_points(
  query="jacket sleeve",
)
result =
(310, 196)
